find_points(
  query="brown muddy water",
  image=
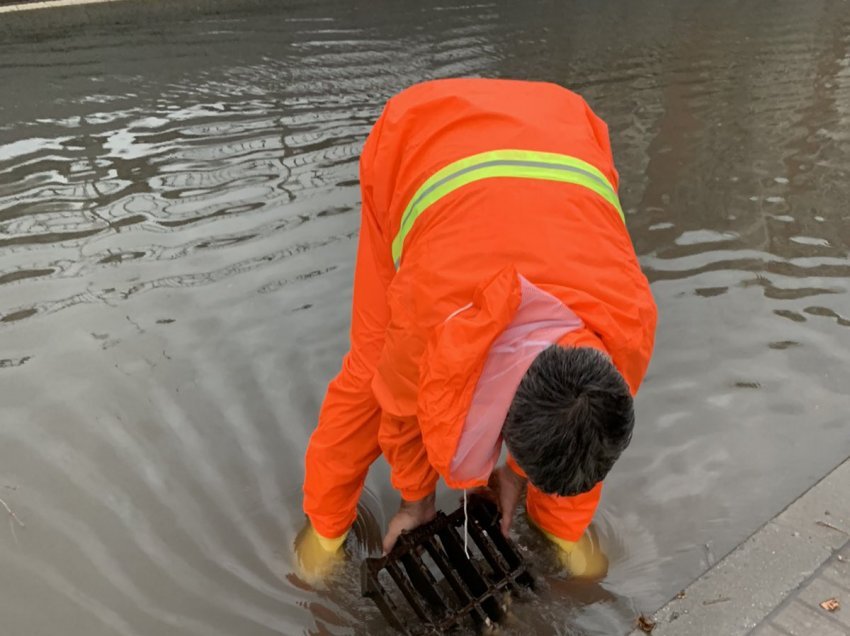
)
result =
(178, 212)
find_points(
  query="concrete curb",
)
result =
(743, 589)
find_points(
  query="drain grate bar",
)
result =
(409, 593)
(455, 588)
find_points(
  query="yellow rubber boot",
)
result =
(583, 558)
(317, 555)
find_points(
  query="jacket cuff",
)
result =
(330, 544)
(415, 494)
(511, 462)
(331, 527)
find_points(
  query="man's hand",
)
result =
(410, 515)
(508, 488)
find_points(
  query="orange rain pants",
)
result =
(562, 237)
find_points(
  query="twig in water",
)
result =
(14, 534)
(714, 601)
(832, 527)
(12, 513)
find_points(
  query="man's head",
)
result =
(570, 419)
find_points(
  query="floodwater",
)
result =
(178, 213)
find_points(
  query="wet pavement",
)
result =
(791, 577)
(815, 608)
(178, 214)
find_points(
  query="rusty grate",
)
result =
(443, 588)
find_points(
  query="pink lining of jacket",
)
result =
(540, 321)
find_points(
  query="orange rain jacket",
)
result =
(408, 379)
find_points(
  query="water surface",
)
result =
(178, 215)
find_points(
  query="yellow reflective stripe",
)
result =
(526, 164)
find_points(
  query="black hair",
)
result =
(571, 418)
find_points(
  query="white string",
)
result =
(465, 527)
(457, 311)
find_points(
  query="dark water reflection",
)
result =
(178, 208)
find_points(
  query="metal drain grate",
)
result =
(442, 586)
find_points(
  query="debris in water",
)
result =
(13, 518)
(831, 605)
(681, 594)
(645, 624)
(721, 599)
(831, 527)
(12, 513)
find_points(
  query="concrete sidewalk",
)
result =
(774, 582)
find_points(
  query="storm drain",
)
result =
(433, 581)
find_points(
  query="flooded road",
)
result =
(178, 215)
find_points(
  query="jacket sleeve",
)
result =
(345, 442)
(411, 472)
(563, 517)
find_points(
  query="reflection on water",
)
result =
(178, 203)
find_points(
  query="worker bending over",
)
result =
(497, 297)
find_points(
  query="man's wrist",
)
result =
(515, 468)
(427, 498)
(519, 479)
(416, 496)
